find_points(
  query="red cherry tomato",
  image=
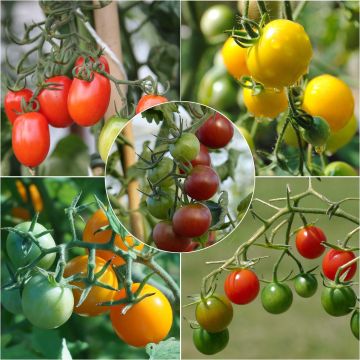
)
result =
(242, 286)
(333, 259)
(203, 158)
(216, 132)
(192, 220)
(166, 239)
(53, 102)
(31, 138)
(12, 103)
(148, 101)
(309, 242)
(80, 60)
(201, 183)
(88, 100)
(194, 245)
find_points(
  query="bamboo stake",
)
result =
(108, 28)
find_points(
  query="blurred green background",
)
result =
(86, 337)
(305, 331)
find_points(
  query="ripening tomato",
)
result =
(215, 313)
(148, 101)
(281, 55)
(333, 259)
(234, 57)
(90, 234)
(166, 239)
(242, 286)
(330, 98)
(35, 195)
(186, 148)
(216, 132)
(89, 100)
(339, 168)
(192, 220)
(268, 103)
(160, 204)
(12, 103)
(97, 294)
(203, 158)
(201, 183)
(148, 321)
(102, 59)
(309, 242)
(53, 101)
(31, 139)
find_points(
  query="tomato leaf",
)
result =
(168, 349)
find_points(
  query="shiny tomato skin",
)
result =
(242, 286)
(148, 321)
(31, 139)
(210, 343)
(309, 242)
(338, 301)
(201, 183)
(148, 101)
(53, 103)
(192, 220)
(203, 158)
(166, 239)
(234, 57)
(80, 60)
(89, 100)
(12, 102)
(333, 259)
(216, 132)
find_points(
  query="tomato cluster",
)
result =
(185, 221)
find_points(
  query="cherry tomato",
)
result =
(148, 321)
(281, 55)
(216, 132)
(268, 103)
(309, 242)
(333, 259)
(19, 212)
(12, 103)
(160, 204)
(97, 294)
(35, 195)
(248, 138)
(21, 256)
(166, 239)
(330, 98)
(342, 137)
(186, 148)
(46, 304)
(289, 136)
(192, 220)
(148, 101)
(201, 183)
(203, 158)
(163, 168)
(92, 235)
(102, 59)
(108, 134)
(338, 301)
(339, 168)
(10, 299)
(215, 313)
(89, 100)
(354, 323)
(318, 133)
(31, 139)
(305, 285)
(234, 57)
(53, 101)
(276, 298)
(210, 343)
(242, 286)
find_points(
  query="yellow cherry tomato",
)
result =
(148, 321)
(330, 98)
(90, 234)
(35, 195)
(281, 55)
(97, 294)
(234, 57)
(268, 103)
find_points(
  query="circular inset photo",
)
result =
(180, 176)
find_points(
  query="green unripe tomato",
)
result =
(276, 298)
(305, 285)
(186, 148)
(164, 167)
(247, 136)
(289, 136)
(210, 343)
(10, 299)
(108, 134)
(215, 20)
(338, 301)
(319, 132)
(160, 204)
(19, 257)
(339, 168)
(354, 323)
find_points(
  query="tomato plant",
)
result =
(209, 343)
(333, 259)
(161, 203)
(305, 285)
(160, 173)
(148, 101)
(203, 158)
(186, 148)
(309, 242)
(338, 301)
(13, 101)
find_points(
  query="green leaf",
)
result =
(168, 349)
(45, 342)
(244, 204)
